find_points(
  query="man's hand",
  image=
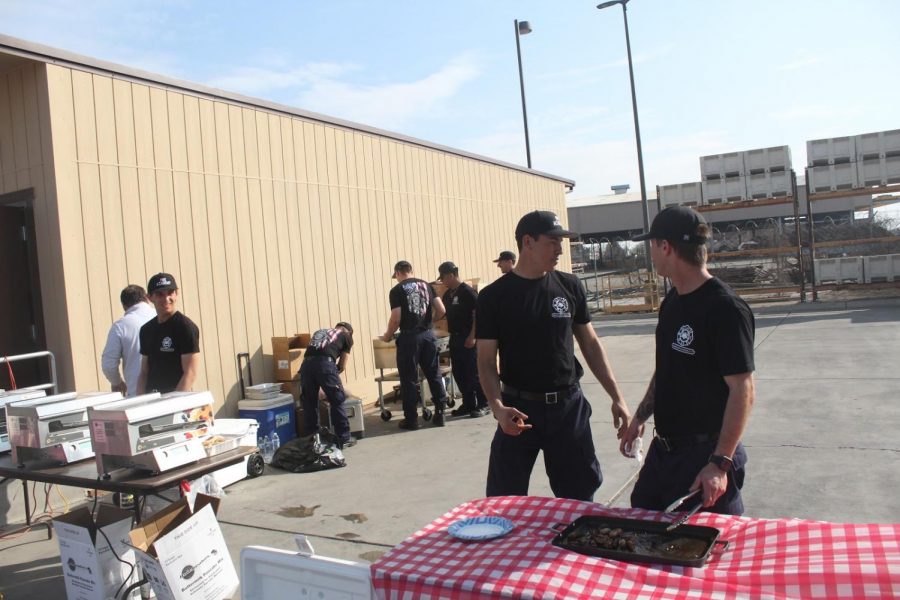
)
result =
(714, 481)
(512, 421)
(121, 388)
(635, 430)
(621, 417)
(387, 337)
(470, 342)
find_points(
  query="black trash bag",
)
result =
(311, 453)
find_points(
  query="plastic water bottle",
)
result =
(265, 448)
(276, 442)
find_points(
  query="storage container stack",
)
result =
(832, 164)
(878, 158)
(747, 175)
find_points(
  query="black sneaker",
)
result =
(480, 412)
(349, 443)
(410, 425)
(461, 411)
(438, 419)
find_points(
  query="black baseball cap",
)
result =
(346, 326)
(402, 266)
(506, 255)
(676, 224)
(542, 222)
(446, 268)
(161, 281)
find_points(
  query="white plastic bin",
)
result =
(769, 185)
(720, 166)
(848, 269)
(764, 160)
(731, 189)
(833, 177)
(882, 268)
(878, 171)
(829, 151)
(683, 194)
(880, 144)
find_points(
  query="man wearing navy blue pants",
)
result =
(532, 316)
(323, 362)
(413, 306)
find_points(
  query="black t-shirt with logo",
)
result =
(163, 344)
(413, 297)
(532, 321)
(700, 338)
(460, 305)
(329, 342)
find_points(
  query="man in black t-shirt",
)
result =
(323, 362)
(412, 302)
(506, 262)
(170, 343)
(460, 300)
(532, 315)
(702, 391)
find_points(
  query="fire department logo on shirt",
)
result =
(683, 340)
(560, 308)
(166, 345)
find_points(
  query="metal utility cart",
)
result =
(386, 359)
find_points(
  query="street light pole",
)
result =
(595, 245)
(637, 128)
(523, 28)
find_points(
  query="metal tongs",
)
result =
(680, 520)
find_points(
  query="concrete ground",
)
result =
(822, 442)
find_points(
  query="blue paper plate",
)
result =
(480, 528)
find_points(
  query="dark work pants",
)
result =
(321, 372)
(417, 349)
(465, 372)
(563, 432)
(667, 476)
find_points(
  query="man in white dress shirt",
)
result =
(123, 344)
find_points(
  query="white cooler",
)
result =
(353, 407)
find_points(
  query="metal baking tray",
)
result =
(687, 545)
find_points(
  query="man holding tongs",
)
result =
(702, 391)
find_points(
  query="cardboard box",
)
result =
(90, 569)
(287, 357)
(183, 553)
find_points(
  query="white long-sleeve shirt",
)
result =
(123, 343)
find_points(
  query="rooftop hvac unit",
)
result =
(831, 151)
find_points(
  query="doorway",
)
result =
(21, 310)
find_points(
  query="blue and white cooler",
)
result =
(273, 410)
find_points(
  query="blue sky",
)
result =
(712, 75)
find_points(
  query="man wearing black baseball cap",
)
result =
(532, 316)
(170, 343)
(460, 300)
(323, 362)
(702, 390)
(506, 261)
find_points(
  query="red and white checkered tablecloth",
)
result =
(778, 559)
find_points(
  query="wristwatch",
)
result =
(721, 461)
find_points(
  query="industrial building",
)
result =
(273, 220)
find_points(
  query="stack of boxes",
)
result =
(854, 162)
(681, 194)
(747, 175)
(287, 353)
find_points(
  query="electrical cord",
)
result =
(111, 548)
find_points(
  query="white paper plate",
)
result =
(480, 528)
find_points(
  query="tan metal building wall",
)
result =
(272, 223)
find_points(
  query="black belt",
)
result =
(679, 442)
(545, 397)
